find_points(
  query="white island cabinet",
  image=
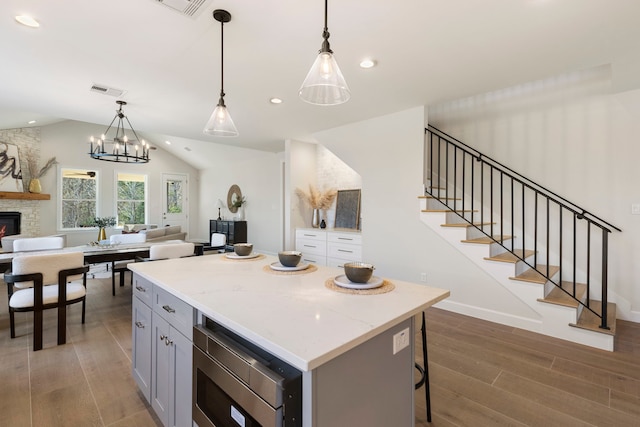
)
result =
(162, 351)
(355, 352)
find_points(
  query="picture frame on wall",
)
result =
(10, 169)
(348, 209)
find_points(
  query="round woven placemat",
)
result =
(307, 270)
(387, 286)
(224, 256)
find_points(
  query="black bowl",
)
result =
(243, 249)
(358, 272)
(289, 258)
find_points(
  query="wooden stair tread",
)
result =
(559, 297)
(486, 240)
(510, 257)
(591, 322)
(466, 224)
(533, 276)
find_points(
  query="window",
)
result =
(79, 188)
(131, 195)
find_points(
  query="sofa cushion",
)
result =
(172, 229)
(155, 233)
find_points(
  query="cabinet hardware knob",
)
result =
(163, 337)
(140, 325)
(141, 289)
(168, 309)
(167, 341)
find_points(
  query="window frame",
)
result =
(116, 180)
(61, 170)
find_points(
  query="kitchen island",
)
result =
(355, 352)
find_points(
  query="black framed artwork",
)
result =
(348, 209)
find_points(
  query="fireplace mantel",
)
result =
(23, 196)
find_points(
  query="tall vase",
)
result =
(315, 221)
(102, 234)
(240, 214)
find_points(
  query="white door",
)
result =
(175, 201)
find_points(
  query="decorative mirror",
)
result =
(233, 195)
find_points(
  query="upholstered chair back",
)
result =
(172, 250)
(128, 238)
(47, 264)
(38, 243)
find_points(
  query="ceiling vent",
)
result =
(190, 8)
(106, 90)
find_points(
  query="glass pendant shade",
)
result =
(220, 123)
(325, 84)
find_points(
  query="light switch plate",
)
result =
(635, 209)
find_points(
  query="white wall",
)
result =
(258, 174)
(68, 142)
(388, 153)
(571, 135)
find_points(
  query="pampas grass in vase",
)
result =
(317, 200)
(35, 172)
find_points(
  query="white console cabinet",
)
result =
(329, 247)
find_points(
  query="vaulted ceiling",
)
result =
(168, 63)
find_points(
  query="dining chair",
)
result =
(171, 250)
(218, 242)
(121, 267)
(43, 281)
(38, 243)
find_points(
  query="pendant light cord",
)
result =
(222, 61)
(325, 32)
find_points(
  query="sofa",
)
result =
(134, 228)
(171, 232)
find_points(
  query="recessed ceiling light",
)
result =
(27, 21)
(168, 142)
(30, 122)
(367, 63)
(275, 101)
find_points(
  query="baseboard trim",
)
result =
(491, 315)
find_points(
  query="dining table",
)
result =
(93, 254)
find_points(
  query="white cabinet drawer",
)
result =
(350, 238)
(337, 262)
(175, 311)
(311, 234)
(315, 259)
(316, 247)
(344, 251)
(143, 289)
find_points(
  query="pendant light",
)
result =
(220, 122)
(325, 85)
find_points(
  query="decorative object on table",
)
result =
(358, 272)
(289, 258)
(325, 84)
(317, 200)
(11, 178)
(220, 122)
(277, 266)
(238, 204)
(308, 268)
(243, 249)
(323, 224)
(344, 282)
(122, 148)
(36, 172)
(219, 205)
(235, 257)
(233, 195)
(385, 287)
(348, 209)
(102, 223)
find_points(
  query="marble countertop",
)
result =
(295, 317)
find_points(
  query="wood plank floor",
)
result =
(481, 373)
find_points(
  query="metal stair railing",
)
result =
(553, 228)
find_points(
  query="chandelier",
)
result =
(119, 148)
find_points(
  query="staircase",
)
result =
(548, 252)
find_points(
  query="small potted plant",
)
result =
(238, 203)
(101, 223)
